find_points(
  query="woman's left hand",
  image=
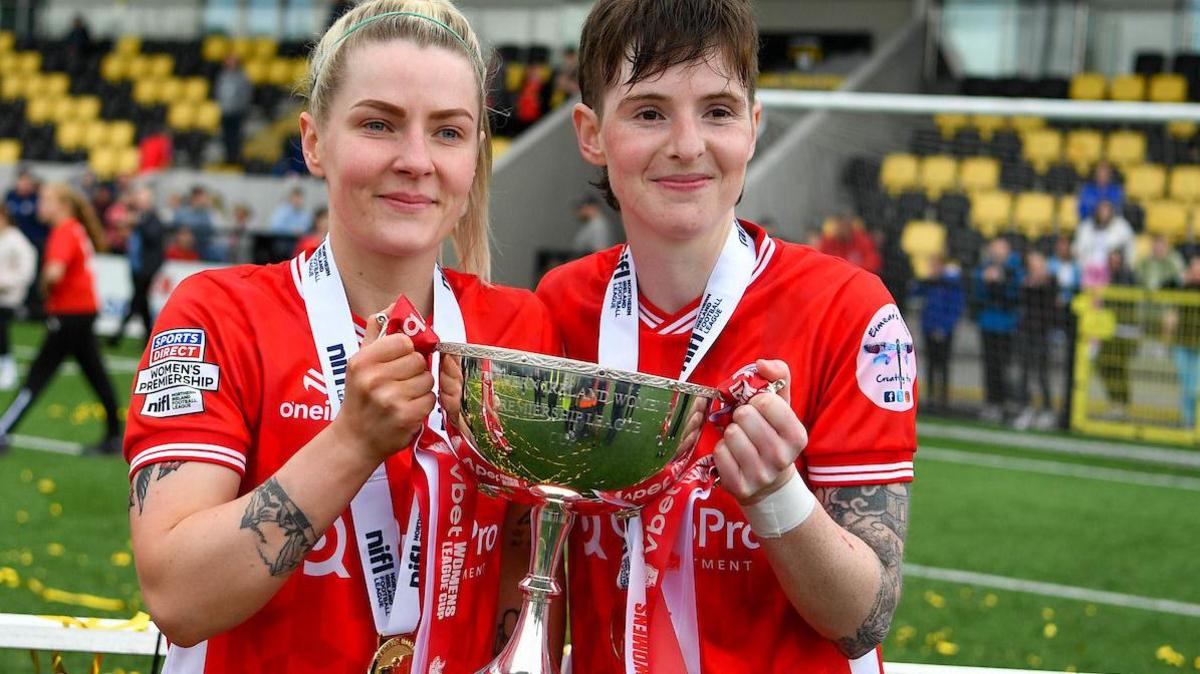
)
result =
(758, 453)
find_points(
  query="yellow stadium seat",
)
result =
(1087, 87)
(8, 63)
(1127, 88)
(1168, 218)
(499, 146)
(979, 173)
(95, 134)
(56, 84)
(1185, 184)
(949, 123)
(242, 47)
(279, 72)
(39, 110)
(121, 133)
(195, 89)
(64, 109)
(1033, 214)
(128, 44)
(987, 124)
(1168, 88)
(990, 212)
(299, 70)
(215, 48)
(1084, 148)
(138, 67)
(770, 80)
(922, 239)
(1125, 148)
(264, 48)
(1143, 244)
(115, 67)
(147, 91)
(70, 135)
(86, 108)
(161, 65)
(127, 160)
(29, 62)
(13, 87)
(181, 116)
(1068, 213)
(257, 71)
(939, 174)
(7, 41)
(1181, 129)
(514, 75)
(208, 117)
(10, 151)
(898, 173)
(1042, 147)
(172, 90)
(1145, 182)
(103, 162)
(1025, 123)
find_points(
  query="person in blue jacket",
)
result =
(944, 298)
(996, 283)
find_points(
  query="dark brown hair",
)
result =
(655, 35)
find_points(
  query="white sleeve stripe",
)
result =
(143, 459)
(199, 446)
(858, 477)
(863, 468)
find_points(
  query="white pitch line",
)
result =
(1167, 457)
(1054, 590)
(1059, 468)
(119, 364)
(47, 444)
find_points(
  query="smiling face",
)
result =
(675, 146)
(398, 146)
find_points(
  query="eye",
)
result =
(648, 115)
(721, 113)
(449, 133)
(375, 126)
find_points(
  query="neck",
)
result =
(373, 281)
(672, 272)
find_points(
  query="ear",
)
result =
(587, 132)
(310, 145)
(755, 118)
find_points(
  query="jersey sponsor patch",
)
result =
(180, 344)
(173, 373)
(887, 362)
(173, 402)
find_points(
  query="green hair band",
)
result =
(430, 19)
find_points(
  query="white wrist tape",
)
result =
(783, 510)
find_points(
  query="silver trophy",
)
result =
(569, 437)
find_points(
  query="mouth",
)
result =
(684, 182)
(409, 202)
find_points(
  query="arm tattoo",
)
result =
(878, 514)
(141, 482)
(272, 511)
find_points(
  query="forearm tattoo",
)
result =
(878, 514)
(140, 488)
(272, 514)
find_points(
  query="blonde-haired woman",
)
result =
(277, 522)
(68, 283)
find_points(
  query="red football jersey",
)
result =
(852, 386)
(69, 245)
(231, 377)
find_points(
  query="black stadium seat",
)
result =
(926, 141)
(1149, 62)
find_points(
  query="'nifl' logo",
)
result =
(379, 554)
(337, 365)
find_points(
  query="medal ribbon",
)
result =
(645, 637)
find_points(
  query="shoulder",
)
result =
(578, 279)
(497, 314)
(818, 274)
(222, 289)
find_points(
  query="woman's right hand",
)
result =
(389, 393)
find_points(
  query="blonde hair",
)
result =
(81, 209)
(427, 23)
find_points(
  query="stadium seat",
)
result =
(1181, 129)
(1042, 148)
(70, 135)
(987, 125)
(990, 212)
(263, 48)
(1068, 213)
(280, 72)
(39, 111)
(195, 89)
(55, 84)
(29, 62)
(121, 133)
(208, 117)
(147, 91)
(127, 160)
(95, 134)
(115, 67)
(979, 173)
(949, 123)
(160, 65)
(1149, 62)
(1168, 88)
(214, 48)
(257, 71)
(128, 45)
(181, 116)
(921, 240)
(1084, 148)
(1185, 184)
(10, 151)
(1033, 214)
(1127, 88)
(938, 174)
(899, 172)
(1168, 218)
(13, 87)
(1125, 148)
(103, 162)
(1145, 182)
(1087, 87)
(1024, 123)
(1062, 178)
(242, 46)
(7, 40)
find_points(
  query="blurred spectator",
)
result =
(1162, 268)
(155, 150)
(848, 240)
(1068, 279)
(566, 80)
(118, 221)
(233, 93)
(944, 299)
(291, 218)
(146, 252)
(200, 219)
(1101, 187)
(309, 242)
(1115, 352)
(1181, 328)
(996, 284)
(291, 160)
(1096, 238)
(182, 246)
(18, 266)
(533, 97)
(1038, 303)
(21, 202)
(240, 232)
(594, 231)
(171, 208)
(78, 39)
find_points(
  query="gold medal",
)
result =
(394, 656)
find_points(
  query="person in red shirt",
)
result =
(792, 563)
(294, 506)
(69, 285)
(852, 243)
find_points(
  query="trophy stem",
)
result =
(528, 650)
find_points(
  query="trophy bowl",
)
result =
(568, 437)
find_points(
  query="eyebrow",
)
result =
(651, 97)
(389, 108)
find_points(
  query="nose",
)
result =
(413, 156)
(687, 142)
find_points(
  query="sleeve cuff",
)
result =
(189, 451)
